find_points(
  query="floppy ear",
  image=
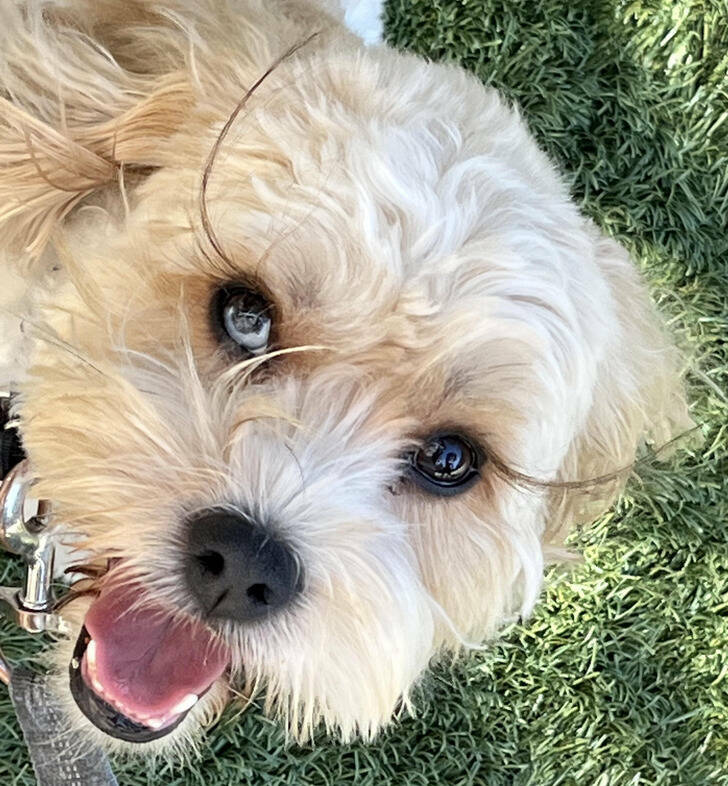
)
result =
(638, 397)
(80, 104)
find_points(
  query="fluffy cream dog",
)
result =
(320, 355)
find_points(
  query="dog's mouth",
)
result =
(137, 670)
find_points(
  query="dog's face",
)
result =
(312, 403)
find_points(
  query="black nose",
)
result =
(235, 569)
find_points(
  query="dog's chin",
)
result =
(137, 671)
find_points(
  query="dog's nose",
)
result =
(234, 568)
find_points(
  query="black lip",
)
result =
(105, 717)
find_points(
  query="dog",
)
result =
(316, 361)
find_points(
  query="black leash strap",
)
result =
(58, 759)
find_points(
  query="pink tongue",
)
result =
(145, 658)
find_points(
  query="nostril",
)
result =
(211, 562)
(259, 594)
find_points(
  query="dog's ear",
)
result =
(638, 398)
(82, 103)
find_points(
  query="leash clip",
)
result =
(30, 606)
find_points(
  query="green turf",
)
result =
(621, 676)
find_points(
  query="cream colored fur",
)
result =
(428, 270)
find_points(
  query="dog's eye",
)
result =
(445, 464)
(245, 316)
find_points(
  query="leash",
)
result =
(57, 759)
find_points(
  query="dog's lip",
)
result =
(138, 669)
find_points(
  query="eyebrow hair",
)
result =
(207, 228)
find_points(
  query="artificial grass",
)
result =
(621, 676)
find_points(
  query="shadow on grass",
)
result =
(644, 145)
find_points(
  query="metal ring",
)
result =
(14, 535)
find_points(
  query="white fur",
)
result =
(15, 302)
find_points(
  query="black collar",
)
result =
(11, 448)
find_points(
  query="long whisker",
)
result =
(252, 363)
(209, 164)
(53, 339)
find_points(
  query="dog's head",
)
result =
(330, 350)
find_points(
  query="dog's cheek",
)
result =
(480, 556)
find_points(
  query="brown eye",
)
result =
(446, 464)
(244, 317)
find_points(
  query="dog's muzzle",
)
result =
(126, 674)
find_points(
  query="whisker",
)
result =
(254, 362)
(46, 335)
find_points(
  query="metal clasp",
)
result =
(29, 606)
